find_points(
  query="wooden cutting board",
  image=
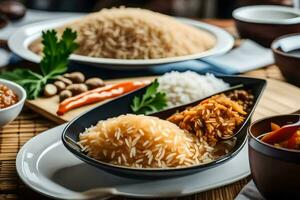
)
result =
(278, 98)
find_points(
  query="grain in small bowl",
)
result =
(12, 98)
(274, 168)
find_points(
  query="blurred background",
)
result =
(186, 8)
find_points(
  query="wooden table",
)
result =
(28, 124)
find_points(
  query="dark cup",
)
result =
(288, 62)
(263, 24)
(275, 171)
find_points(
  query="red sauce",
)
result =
(7, 97)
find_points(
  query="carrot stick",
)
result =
(292, 142)
(98, 90)
(97, 95)
(274, 126)
(278, 135)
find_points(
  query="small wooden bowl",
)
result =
(288, 63)
(263, 24)
(275, 171)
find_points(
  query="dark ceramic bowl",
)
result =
(121, 106)
(288, 62)
(263, 24)
(275, 171)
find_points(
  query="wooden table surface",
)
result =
(28, 124)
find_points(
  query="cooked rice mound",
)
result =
(144, 142)
(214, 118)
(185, 87)
(134, 33)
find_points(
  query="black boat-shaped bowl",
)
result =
(121, 105)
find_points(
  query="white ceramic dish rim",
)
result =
(239, 14)
(21, 90)
(277, 42)
(21, 39)
(43, 191)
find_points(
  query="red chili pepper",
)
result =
(97, 95)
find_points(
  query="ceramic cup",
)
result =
(10, 113)
(286, 52)
(275, 171)
(263, 23)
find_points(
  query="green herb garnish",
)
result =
(54, 62)
(152, 101)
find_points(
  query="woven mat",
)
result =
(29, 124)
(12, 137)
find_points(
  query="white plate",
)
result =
(21, 39)
(46, 166)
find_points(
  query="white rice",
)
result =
(141, 141)
(186, 87)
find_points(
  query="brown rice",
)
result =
(214, 118)
(133, 33)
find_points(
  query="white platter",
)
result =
(47, 167)
(20, 40)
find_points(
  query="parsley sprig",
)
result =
(54, 62)
(152, 101)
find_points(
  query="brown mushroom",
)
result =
(65, 80)
(13, 10)
(77, 88)
(64, 95)
(93, 83)
(60, 85)
(50, 90)
(75, 77)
